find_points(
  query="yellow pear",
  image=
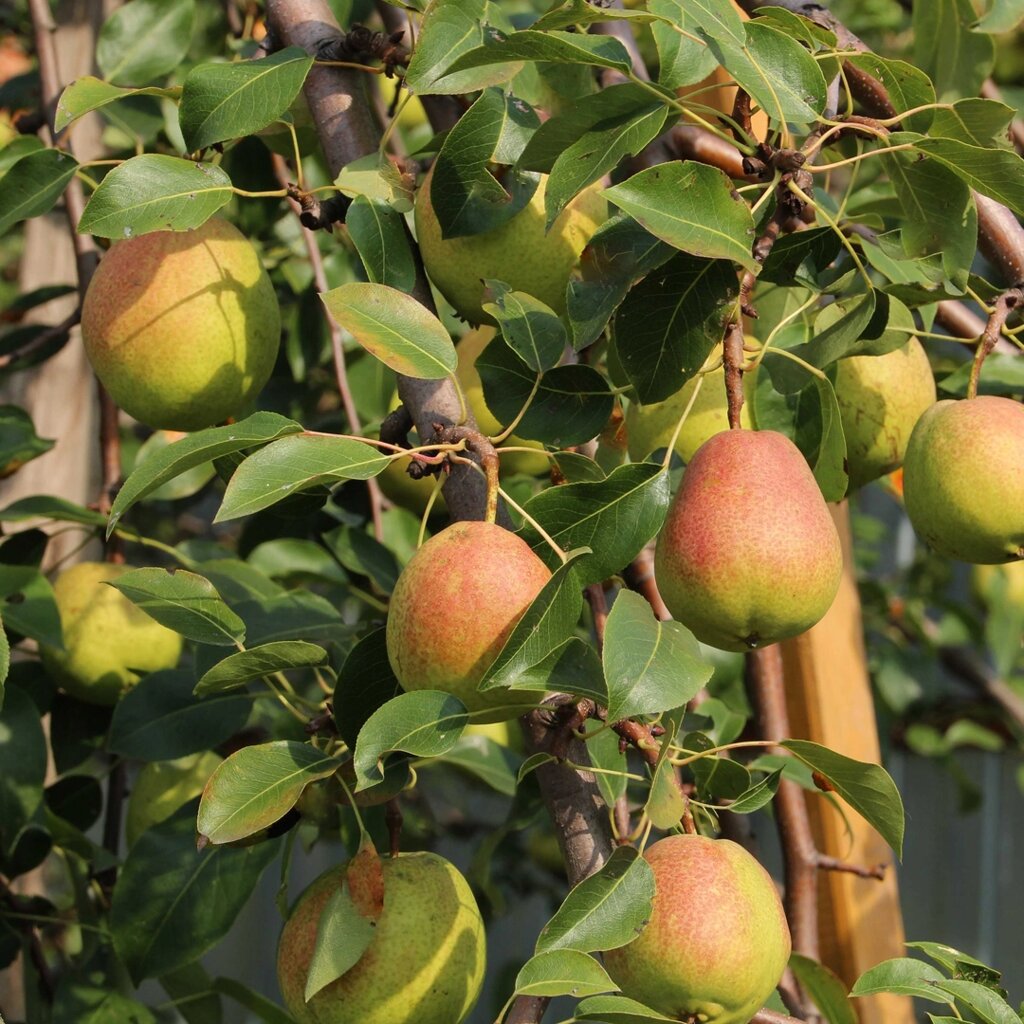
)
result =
(162, 787)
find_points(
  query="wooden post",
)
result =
(829, 700)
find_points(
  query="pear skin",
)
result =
(453, 608)
(963, 479)
(717, 942)
(748, 554)
(424, 964)
(880, 400)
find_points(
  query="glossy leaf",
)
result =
(29, 606)
(563, 972)
(22, 764)
(998, 173)
(683, 55)
(617, 1010)
(33, 185)
(342, 936)
(258, 785)
(394, 327)
(144, 39)
(902, 976)
(154, 192)
(263, 1009)
(1001, 16)
(482, 757)
(759, 795)
(86, 94)
(221, 101)
(532, 330)
(531, 45)
(825, 988)
(378, 232)
(85, 1003)
(606, 910)
(908, 86)
(957, 59)
(184, 602)
(244, 666)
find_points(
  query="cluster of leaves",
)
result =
(282, 604)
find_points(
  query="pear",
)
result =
(748, 554)
(182, 327)
(108, 641)
(162, 787)
(453, 608)
(983, 583)
(519, 252)
(717, 941)
(880, 400)
(424, 964)
(963, 479)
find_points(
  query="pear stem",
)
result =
(1004, 305)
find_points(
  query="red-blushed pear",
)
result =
(880, 400)
(717, 941)
(963, 479)
(182, 327)
(424, 964)
(453, 608)
(748, 554)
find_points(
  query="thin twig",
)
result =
(771, 1017)
(1004, 306)
(56, 333)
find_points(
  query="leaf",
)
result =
(649, 666)
(154, 192)
(830, 465)
(908, 87)
(956, 59)
(1001, 16)
(692, 207)
(532, 330)
(22, 765)
(668, 324)
(172, 903)
(867, 788)
(293, 464)
(825, 988)
(902, 976)
(614, 517)
(975, 121)
(394, 327)
(683, 56)
(559, 47)
(378, 232)
(581, 13)
(195, 449)
(543, 628)
(998, 173)
(144, 40)
(990, 1007)
(257, 662)
(563, 972)
(361, 553)
(19, 442)
(758, 796)
(5, 660)
(86, 94)
(88, 1004)
(606, 910)
(159, 719)
(221, 101)
(257, 785)
(665, 804)
(342, 936)
(572, 667)
(33, 185)
(488, 760)
(423, 722)
(617, 1010)
(185, 602)
(263, 1008)
(29, 605)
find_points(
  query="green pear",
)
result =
(983, 579)
(108, 641)
(519, 252)
(425, 962)
(748, 554)
(717, 941)
(453, 608)
(963, 479)
(651, 427)
(182, 327)
(880, 400)
(162, 787)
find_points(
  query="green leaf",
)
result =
(394, 327)
(183, 485)
(692, 207)
(867, 788)
(195, 449)
(989, 1006)
(614, 517)
(190, 988)
(606, 910)
(91, 1004)
(998, 173)
(543, 628)
(159, 719)
(956, 59)
(185, 602)
(144, 39)
(572, 667)
(14, 150)
(378, 232)
(22, 765)
(830, 464)
(902, 976)
(559, 47)
(583, 13)
(172, 903)
(649, 666)
(221, 101)
(258, 785)
(33, 185)
(293, 464)
(342, 936)
(908, 86)
(665, 805)
(154, 192)
(1001, 16)
(532, 330)
(363, 554)
(975, 121)
(257, 662)
(825, 988)
(423, 722)
(40, 506)
(758, 796)
(489, 761)
(617, 1010)
(563, 972)
(19, 442)
(5, 660)
(29, 606)
(86, 94)
(683, 56)
(719, 20)
(263, 1008)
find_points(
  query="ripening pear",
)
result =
(519, 252)
(748, 554)
(108, 642)
(453, 608)
(963, 479)
(161, 787)
(983, 583)
(880, 400)
(717, 941)
(182, 327)
(424, 964)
